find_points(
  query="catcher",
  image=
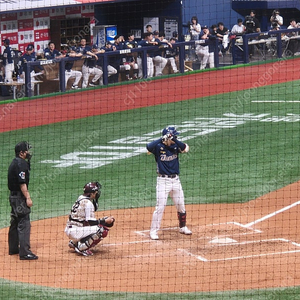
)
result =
(83, 229)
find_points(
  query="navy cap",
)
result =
(30, 47)
(205, 27)
(95, 46)
(155, 32)
(6, 41)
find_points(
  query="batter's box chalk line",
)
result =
(221, 231)
(147, 232)
(245, 247)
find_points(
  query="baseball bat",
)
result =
(189, 68)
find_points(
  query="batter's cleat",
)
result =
(75, 87)
(185, 230)
(72, 245)
(92, 84)
(153, 235)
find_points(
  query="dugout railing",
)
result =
(243, 43)
(140, 51)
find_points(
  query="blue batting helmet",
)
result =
(170, 129)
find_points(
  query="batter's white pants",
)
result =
(77, 233)
(73, 74)
(159, 63)
(150, 67)
(205, 57)
(9, 68)
(164, 187)
(86, 72)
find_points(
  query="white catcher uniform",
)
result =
(82, 235)
(82, 210)
(166, 151)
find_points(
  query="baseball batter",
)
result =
(84, 230)
(166, 150)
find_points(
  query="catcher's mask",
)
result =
(170, 129)
(22, 147)
(92, 187)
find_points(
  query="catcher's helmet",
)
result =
(22, 147)
(92, 187)
(170, 129)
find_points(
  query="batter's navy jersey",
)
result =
(166, 157)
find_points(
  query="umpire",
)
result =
(20, 202)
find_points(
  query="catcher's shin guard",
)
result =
(93, 239)
(182, 219)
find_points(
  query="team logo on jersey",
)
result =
(22, 175)
(168, 158)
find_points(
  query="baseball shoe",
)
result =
(92, 84)
(153, 235)
(185, 230)
(29, 257)
(72, 245)
(84, 252)
(75, 87)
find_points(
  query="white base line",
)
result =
(274, 101)
(194, 255)
(252, 256)
(244, 256)
(272, 214)
(127, 243)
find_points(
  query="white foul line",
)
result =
(272, 214)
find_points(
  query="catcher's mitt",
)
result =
(104, 223)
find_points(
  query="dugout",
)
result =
(132, 16)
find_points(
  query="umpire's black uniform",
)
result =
(19, 231)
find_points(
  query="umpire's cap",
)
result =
(22, 147)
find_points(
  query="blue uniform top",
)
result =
(166, 157)
(26, 57)
(8, 55)
(69, 63)
(51, 54)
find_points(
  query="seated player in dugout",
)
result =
(83, 229)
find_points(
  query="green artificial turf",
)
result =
(242, 159)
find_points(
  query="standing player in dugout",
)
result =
(166, 150)
(83, 229)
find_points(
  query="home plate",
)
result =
(225, 240)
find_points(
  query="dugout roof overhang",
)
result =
(243, 6)
(22, 5)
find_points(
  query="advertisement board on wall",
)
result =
(104, 33)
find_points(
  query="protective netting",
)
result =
(164, 142)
